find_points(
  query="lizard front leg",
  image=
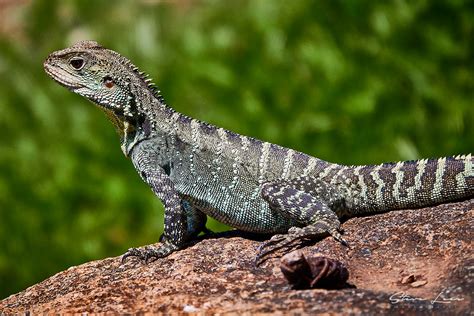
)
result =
(301, 200)
(195, 219)
(175, 224)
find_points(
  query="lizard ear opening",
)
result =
(109, 82)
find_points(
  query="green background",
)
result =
(347, 81)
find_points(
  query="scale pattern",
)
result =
(197, 169)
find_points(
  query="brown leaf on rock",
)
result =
(313, 272)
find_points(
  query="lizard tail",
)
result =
(414, 183)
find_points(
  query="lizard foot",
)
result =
(287, 241)
(150, 253)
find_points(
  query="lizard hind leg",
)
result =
(316, 218)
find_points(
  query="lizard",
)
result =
(197, 169)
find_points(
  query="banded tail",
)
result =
(409, 184)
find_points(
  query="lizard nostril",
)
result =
(48, 61)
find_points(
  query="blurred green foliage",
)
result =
(347, 81)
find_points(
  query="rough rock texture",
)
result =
(399, 262)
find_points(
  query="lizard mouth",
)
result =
(61, 76)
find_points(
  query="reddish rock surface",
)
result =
(399, 263)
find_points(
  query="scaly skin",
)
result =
(197, 169)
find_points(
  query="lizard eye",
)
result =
(109, 82)
(77, 63)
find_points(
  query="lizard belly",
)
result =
(234, 201)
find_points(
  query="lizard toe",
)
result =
(150, 253)
(133, 252)
(338, 237)
(290, 240)
(273, 245)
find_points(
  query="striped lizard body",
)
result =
(198, 169)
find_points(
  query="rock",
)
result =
(418, 283)
(408, 279)
(219, 276)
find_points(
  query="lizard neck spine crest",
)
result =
(144, 77)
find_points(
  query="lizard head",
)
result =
(112, 82)
(99, 74)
